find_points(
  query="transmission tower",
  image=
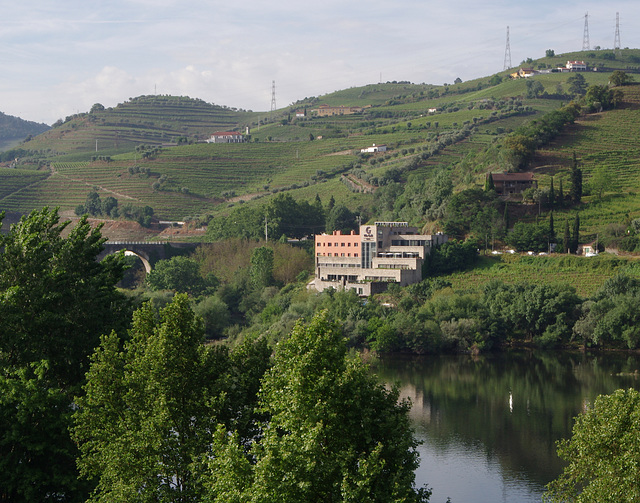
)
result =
(273, 95)
(616, 42)
(507, 53)
(585, 37)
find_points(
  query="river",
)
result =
(488, 425)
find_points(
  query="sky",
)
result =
(58, 58)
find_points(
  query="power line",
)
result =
(507, 53)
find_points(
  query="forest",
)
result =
(104, 398)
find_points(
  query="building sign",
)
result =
(368, 234)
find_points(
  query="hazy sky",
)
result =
(60, 57)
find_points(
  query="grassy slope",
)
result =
(585, 274)
(197, 176)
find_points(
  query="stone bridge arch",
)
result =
(148, 252)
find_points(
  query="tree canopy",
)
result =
(603, 453)
(55, 301)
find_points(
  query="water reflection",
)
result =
(489, 424)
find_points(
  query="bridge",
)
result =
(149, 252)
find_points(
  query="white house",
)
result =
(432, 110)
(576, 66)
(374, 148)
(226, 137)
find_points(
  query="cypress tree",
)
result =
(488, 183)
(567, 237)
(560, 198)
(552, 195)
(505, 217)
(576, 181)
(576, 234)
(552, 231)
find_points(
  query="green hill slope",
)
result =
(425, 127)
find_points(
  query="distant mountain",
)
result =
(14, 129)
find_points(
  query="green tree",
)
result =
(56, 297)
(577, 84)
(534, 88)
(262, 267)
(576, 181)
(566, 239)
(56, 301)
(552, 195)
(488, 183)
(334, 434)
(600, 181)
(181, 274)
(575, 235)
(495, 80)
(150, 406)
(603, 453)
(341, 218)
(560, 198)
(620, 78)
(550, 53)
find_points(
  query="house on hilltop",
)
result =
(576, 66)
(381, 254)
(226, 137)
(507, 184)
(523, 73)
(374, 148)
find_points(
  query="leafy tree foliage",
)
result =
(334, 434)
(576, 181)
(341, 218)
(530, 236)
(603, 453)
(620, 78)
(56, 299)
(471, 211)
(262, 267)
(181, 274)
(151, 406)
(602, 98)
(577, 84)
(534, 88)
(451, 256)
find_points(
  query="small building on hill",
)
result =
(374, 148)
(576, 66)
(523, 73)
(226, 137)
(381, 254)
(507, 184)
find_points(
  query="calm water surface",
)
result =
(489, 424)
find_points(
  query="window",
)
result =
(348, 244)
(328, 244)
(341, 244)
(355, 254)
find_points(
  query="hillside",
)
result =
(426, 128)
(14, 130)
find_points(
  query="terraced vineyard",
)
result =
(586, 275)
(609, 141)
